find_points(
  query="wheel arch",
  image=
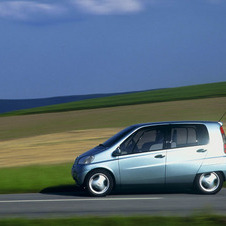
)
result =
(222, 173)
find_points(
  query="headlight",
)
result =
(86, 160)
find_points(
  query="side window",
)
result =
(188, 135)
(129, 145)
(144, 140)
(151, 140)
(202, 135)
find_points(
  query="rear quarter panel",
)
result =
(216, 158)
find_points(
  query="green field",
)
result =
(153, 96)
(199, 220)
(35, 178)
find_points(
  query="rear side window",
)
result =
(188, 135)
(224, 138)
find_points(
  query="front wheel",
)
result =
(209, 183)
(99, 183)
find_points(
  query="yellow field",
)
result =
(52, 148)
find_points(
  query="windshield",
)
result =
(117, 137)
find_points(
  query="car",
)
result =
(192, 153)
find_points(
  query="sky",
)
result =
(75, 47)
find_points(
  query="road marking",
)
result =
(79, 200)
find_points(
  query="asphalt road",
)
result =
(77, 204)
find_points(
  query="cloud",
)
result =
(26, 10)
(46, 11)
(104, 7)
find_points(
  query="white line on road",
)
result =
(79, 200)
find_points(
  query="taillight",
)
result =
(224, 138)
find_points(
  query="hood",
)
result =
(94, 151)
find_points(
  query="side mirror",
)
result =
(116, 153)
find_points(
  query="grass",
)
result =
(153, 96)
(200, 220)
(34, 178)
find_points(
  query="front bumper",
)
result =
(79, 173)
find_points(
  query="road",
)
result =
(37, 205)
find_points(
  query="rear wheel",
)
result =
(209, 183)
(99, 183)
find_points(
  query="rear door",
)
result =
(187, 150)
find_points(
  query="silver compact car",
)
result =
(164, 153)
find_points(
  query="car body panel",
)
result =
(150, 170)
(183, 163)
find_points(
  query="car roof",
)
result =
(174, 123)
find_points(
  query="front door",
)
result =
(143, 157)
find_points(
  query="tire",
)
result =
(99, 183)
(209, 183)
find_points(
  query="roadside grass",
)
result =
(34, 178)
(116, 117)
(201, 220)
(153, 96)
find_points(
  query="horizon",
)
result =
(117, 93)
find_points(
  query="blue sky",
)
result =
(71, 47)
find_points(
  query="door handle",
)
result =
(201, 150)
(159, 156)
